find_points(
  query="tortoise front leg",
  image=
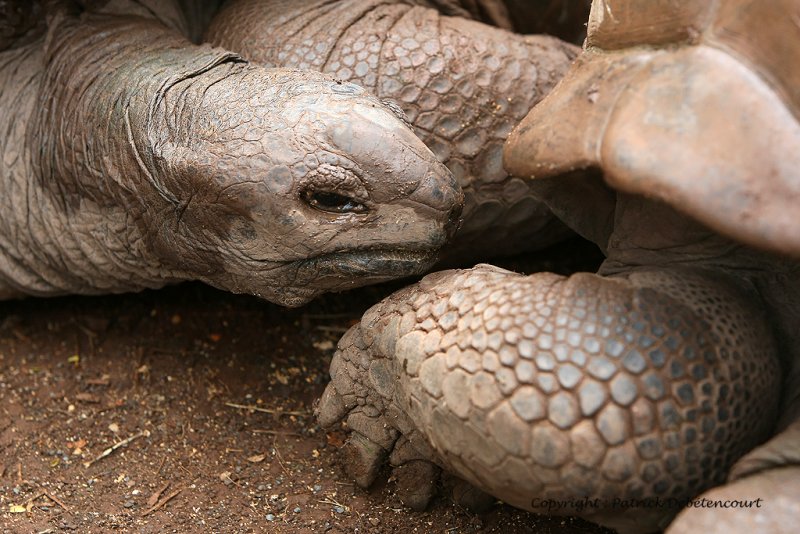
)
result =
(544, 389)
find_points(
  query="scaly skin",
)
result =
(664, 78)
(647, 381)
(676, 369)
(463, 85)
(130, 158)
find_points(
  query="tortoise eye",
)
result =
(332, 202)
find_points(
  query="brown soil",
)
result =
(169, 371)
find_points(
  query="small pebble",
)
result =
(317, 488)
(297, 509)
(129, 504)
(338, 509)
(270, 517)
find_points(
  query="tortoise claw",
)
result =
(363, 459)
(331, 408)
(415, 483)
(473, 499)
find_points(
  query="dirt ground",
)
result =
(189, 410)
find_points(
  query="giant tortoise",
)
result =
(131, 158)
(620, 396)
(462, 84)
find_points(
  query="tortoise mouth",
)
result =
(357, 267)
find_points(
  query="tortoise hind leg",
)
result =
(541, 389)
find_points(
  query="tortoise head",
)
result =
(693, 103)
(286, 184)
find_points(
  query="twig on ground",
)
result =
(164, 500)
(117, 445)
(279, 457)
(330, 499)
(45, 493)
(56, 500)
(186, 470)
(265, 410)
(33, 497)
(156, 495)
(161, 465)
(275, 432)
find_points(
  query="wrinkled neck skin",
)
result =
(637, 233)
(146, 161)
(648, 233)
(89, 187)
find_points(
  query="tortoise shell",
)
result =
(694, 103)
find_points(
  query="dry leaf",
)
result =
(335, 439)
(257, 458)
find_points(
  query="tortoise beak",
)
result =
(691, 126)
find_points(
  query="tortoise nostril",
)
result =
(454, 220)
(440, 191)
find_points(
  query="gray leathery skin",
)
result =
(462, 84)
(133, 159)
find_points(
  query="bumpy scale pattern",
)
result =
(553, 387)
(463, 85)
